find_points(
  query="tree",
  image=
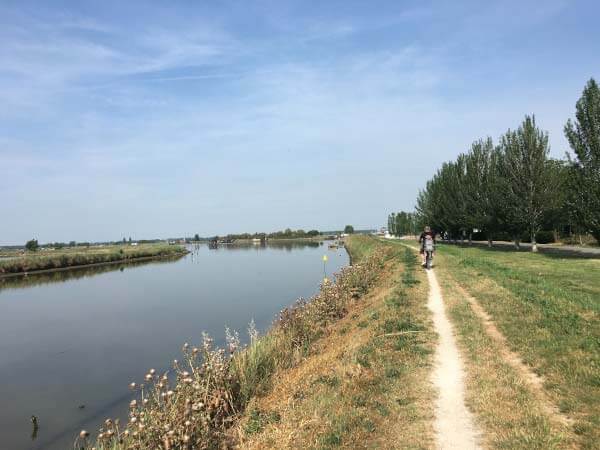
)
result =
(531, 182)
(392, 224)
(482, 187)
(196, 237)
(32, 245)
(348, 229)
(584, 138)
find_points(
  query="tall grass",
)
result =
(195, 404)
(61, 260)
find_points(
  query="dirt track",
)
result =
(454, 424)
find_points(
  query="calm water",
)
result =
(70, 342)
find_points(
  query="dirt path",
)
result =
(454, 424)
(535, 382)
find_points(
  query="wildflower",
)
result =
(132, 385)
(132, 403)
(83, 434)
(152, 371)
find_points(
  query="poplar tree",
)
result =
(584, 138)
(531, 182)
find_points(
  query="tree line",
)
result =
(513, 189)
(403, 223)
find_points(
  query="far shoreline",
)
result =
(98, 264)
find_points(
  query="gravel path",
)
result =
(454, 424)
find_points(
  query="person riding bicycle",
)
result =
(427, 233)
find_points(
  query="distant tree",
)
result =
(196, 237)
(124, 240)
(532, 183)
(348, 229)
(392, 224)
(32, 245)
(130, 239)
(584, 138)
(72, 244)
(313, 233)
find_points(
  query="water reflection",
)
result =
(39, 279)
(277, 245)
(79, 337)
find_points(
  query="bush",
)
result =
(545, 237)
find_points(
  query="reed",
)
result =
(65, 259)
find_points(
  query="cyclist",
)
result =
(424, 235)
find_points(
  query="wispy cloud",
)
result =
(261, 105)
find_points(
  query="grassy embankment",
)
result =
(344, 369)
(529, 328)
(365, 383)
(65, 258)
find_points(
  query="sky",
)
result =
(163, 119)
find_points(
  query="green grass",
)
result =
(547, 308)
(64, 258)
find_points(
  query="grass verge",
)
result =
(365, 384)
(546, 309)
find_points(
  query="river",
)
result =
(72, 341)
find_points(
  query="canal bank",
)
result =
(68, 260)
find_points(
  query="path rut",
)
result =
(454, 425)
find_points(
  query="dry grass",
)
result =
(364, 385)
(196, 404)
(60, 259)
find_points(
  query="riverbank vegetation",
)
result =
(197, 403)
(365, 384)
(77, 256)
(288, 233)
(512, 189)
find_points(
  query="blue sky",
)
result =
(157, 119)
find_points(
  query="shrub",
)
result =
(194, 407)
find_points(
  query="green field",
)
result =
(547, 309)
